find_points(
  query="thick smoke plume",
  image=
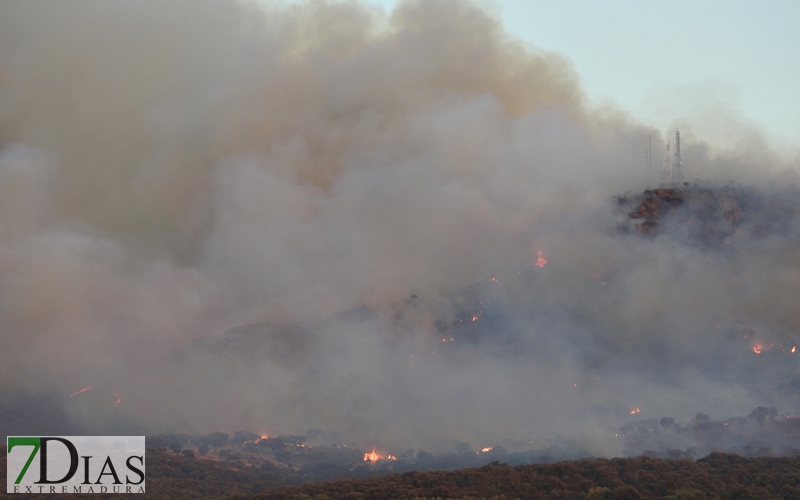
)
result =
(343, 191)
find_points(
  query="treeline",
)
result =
(763, 432)
(716, 477)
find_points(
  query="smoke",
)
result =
(355, 187)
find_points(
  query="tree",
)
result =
(217, 439)
(240, 437)
(626, 492)
(463, 449)
(700, 417)
(599, 493)
(690, 494)
(763, 413)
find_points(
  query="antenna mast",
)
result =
(665, 173)
(649, 159)
(677, 167)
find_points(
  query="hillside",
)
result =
(717, 476)
(709, 216)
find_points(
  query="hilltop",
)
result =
(711, 216)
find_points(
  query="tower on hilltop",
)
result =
(677, 166)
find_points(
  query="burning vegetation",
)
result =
(385, 233)
(87, 388)
(374, 457)
(765, 431)
(509, 317)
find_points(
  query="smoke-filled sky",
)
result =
(678, 62)
(352, 184)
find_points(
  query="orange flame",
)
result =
(540, 261)
(373, 456)
(634, 411)
(794, 349)
(760, 347)
(81, 391)
(485, 450)
(118, 398)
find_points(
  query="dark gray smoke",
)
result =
(356, 188)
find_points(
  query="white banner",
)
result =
(75, 464)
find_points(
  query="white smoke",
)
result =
(170, 171)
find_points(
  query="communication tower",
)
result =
(677, 167)
(667, 170)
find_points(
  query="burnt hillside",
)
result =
(711, 216)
